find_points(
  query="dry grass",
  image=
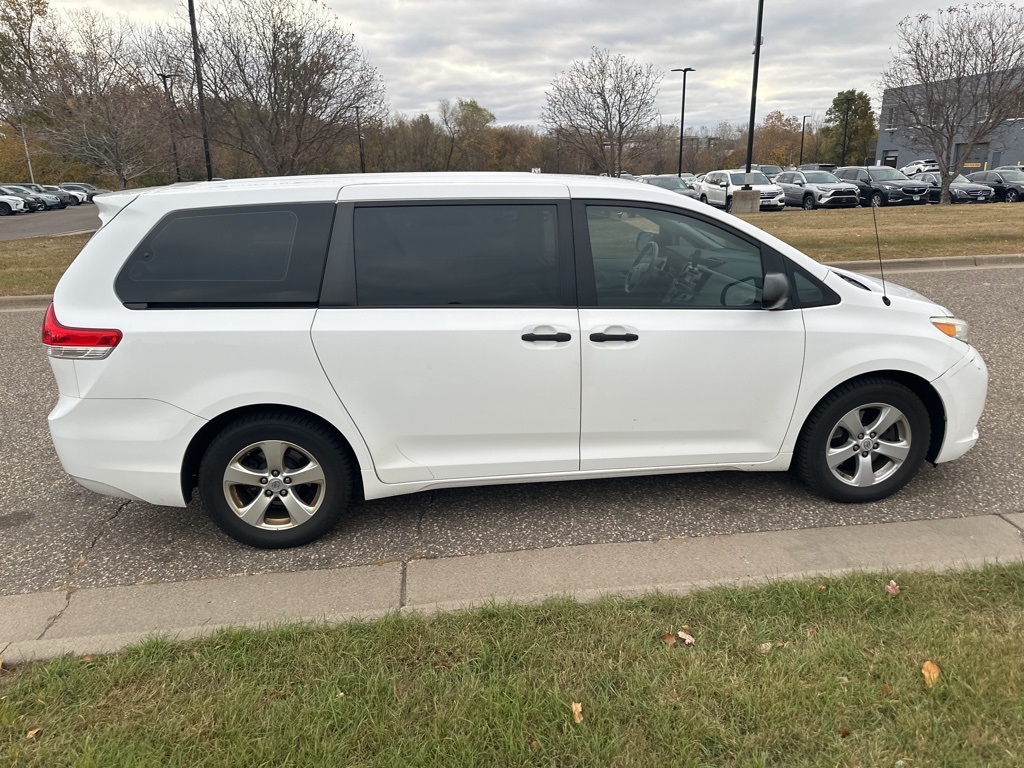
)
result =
(34, 265)
(903, 233)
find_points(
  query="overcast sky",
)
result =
(506, 53)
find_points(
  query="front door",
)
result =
(681, 366)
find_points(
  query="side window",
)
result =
(783, 178)
(863, 176)
(234, 256)
(659, 259)
(502, 254)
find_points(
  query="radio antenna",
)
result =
(878, 246)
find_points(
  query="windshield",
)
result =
(821, 177)
(886, 174)
(772, 169)
(1012, 175)
(756, 178)
(960, 179)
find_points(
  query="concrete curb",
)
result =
(890, 265)
(104, 620)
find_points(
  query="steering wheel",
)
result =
(644, 268)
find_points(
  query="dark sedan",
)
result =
(32, 202)
(1008, 185)
(960, 189)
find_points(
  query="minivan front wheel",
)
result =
(275, 480)
(864, 441)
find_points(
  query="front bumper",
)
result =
(963, 389)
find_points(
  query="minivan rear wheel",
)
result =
(864, 441)
(275, 480)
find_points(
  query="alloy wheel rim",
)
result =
(868, 445)
(274, 485)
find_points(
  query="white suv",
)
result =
(717, 189)
(286, 344)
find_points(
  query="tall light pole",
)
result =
(802, 127)
(753, 87)
(682, 117)
(199, 89)
(164, 77)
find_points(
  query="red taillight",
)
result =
(77, 343)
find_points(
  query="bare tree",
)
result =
(286, 78)
(955, 78)
(601, 108)
(99, 111)
(465, 125)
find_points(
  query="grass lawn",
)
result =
(33, 265)
(816, 673)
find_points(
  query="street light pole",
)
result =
(803, 126)
(682, 117)
(164, 77)
(199, 89)
(753, 88)
(359, 133)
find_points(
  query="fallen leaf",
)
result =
(844, 731)
(33, 734)
(685, 637)
(779, 644)
(892, 588)
(88, 657)
(534, 745)
(843, 679)
(577, 711)
(821, 587)
(884, 689)
(668, 638)
(930, 670)
(983, 589)
(685, 628)
(764, 647)
(673, 695)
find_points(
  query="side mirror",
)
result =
(799, 183)
(775, 294)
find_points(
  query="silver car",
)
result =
(817, 189)
(672, 183)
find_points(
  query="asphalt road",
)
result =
(79, 218)
(57, 535)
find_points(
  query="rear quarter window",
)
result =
(231, 256)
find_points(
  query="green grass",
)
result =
(33, 266)
(840, 686)
(903, 232)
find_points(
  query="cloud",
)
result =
(506, 54)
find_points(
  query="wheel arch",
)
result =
(919, 386)
(209, 431)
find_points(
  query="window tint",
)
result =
(473, 255)
(240, 255)
(652, 258)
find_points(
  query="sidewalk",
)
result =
(44, 625)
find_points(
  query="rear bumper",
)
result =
(127, 448)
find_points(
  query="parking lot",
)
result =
(79, 218)
(59, 535)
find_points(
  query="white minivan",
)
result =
(284, 345)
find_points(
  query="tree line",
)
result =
(289, 91)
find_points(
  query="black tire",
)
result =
(728, 205)
(1012, 196)
(704, 199)
(5, 209)
(809, 204)
(824, 433)
(876, 200)
(300, 440)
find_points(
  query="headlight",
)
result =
(887, 186)
(954, 328)
(959, 192)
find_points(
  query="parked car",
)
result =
(89, 189)
(51, 199)
(920, 166)
(1009, 168)
(827, 167)
(75, 196)
(672, 183)
(717, 189)
(960, 189)
(882, 185)
(771, 171)
(817, 189)
(9, 204)
(286, 345)
(33, 202)
(1008, 185)
(41, 189)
